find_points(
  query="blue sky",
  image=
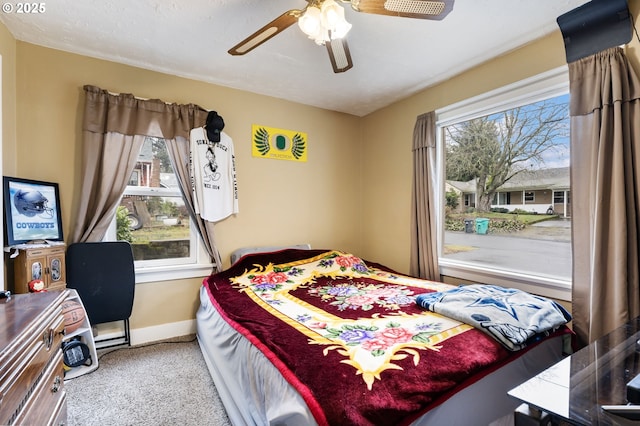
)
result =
(559, 157)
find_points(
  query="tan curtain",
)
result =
(113, 131)
(605, 186)
(424, 255)
(178, 149)
(107, 162)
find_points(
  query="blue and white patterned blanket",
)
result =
(513, 317)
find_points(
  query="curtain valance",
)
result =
(125, 114)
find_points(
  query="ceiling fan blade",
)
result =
(273, 28)
(339, 55)
(422, 9)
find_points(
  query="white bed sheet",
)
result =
(255, 393)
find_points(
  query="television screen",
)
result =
(31, 211)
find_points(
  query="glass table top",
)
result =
(575, 388)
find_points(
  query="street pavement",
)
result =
(544, 248)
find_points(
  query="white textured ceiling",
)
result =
(393, 57)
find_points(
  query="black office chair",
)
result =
(103, 275)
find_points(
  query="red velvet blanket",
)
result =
(348, 335)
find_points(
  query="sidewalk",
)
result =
(556, 230)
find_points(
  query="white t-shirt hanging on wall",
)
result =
(213, 176)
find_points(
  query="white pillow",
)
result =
(237, 254)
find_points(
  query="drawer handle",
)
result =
(56, 384)
(47, 338)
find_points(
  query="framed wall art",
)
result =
(31, 211)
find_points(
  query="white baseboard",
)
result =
(162, 332)
(144, 335)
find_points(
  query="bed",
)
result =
(303, 337)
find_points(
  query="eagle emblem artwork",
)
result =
(279, 144)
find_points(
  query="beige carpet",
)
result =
(159, 384)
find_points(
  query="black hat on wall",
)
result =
(214, 126)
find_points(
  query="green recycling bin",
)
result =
(482, 225)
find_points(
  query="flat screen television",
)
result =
(31, 211)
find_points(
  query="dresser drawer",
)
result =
(47, 400)
(31, 335)
(28, 369)
(47, 251)
(60, 415)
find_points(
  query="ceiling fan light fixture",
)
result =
(324, 23)
(330, 13)
(333, 19)
(310, 22)
(340, 30)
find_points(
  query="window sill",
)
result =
(543, 286)
(175, 272)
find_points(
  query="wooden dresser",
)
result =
(31, 369)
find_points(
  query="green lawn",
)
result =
(162, 232)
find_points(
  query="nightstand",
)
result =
(45, 262)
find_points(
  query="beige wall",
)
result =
(8, 119)
(8, 53)
(363, 165)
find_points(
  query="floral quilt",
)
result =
(349, 335)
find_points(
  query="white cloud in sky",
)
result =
(558, 156)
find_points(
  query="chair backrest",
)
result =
(103, 275)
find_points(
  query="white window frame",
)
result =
(563, 196)
(196, 265)
(546, 85)
(528, 197)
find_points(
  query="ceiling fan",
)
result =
(323, 21)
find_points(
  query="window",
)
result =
(562, 197)
(134, 180)
(470, 200)
(529, 197)
(512, 147)
(152, 216)
(502, 198)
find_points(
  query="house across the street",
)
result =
(537, 191)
